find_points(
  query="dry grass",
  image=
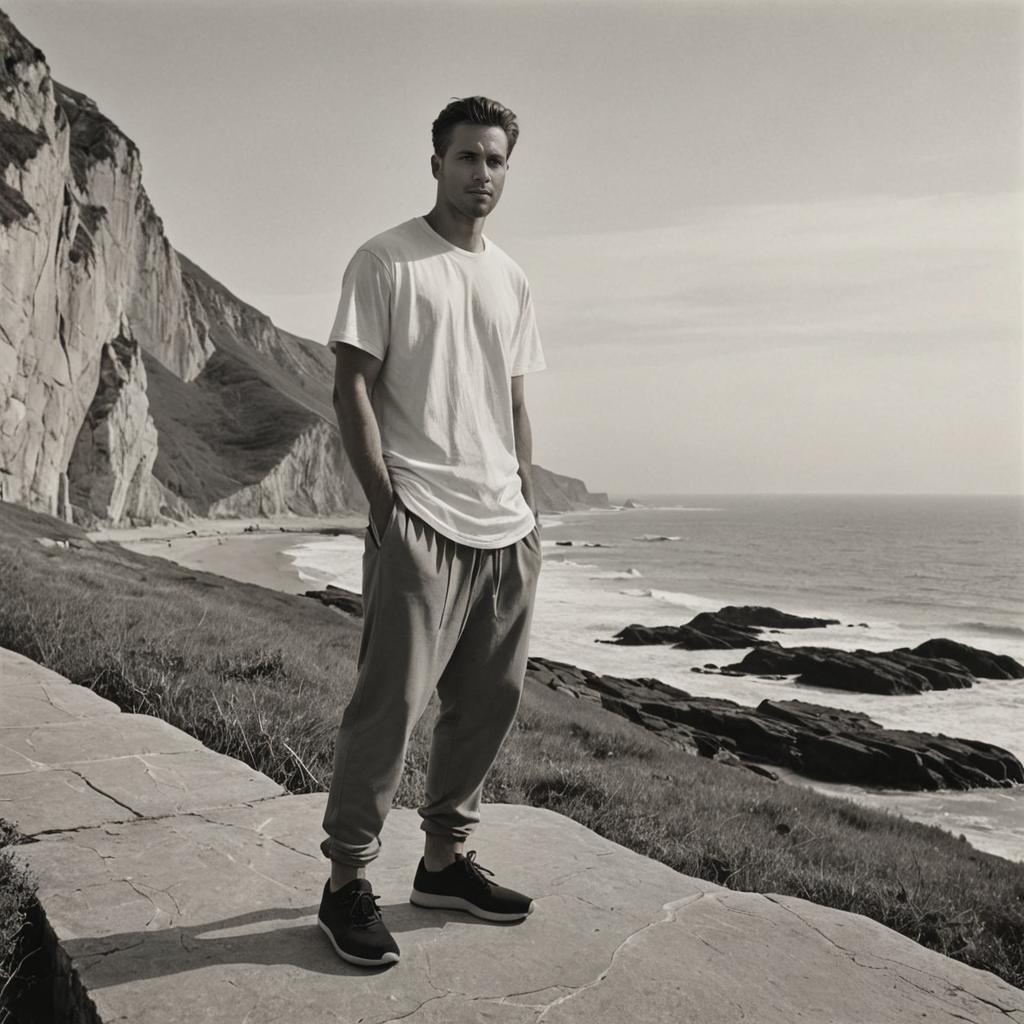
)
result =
(16, 898)
(264, 676)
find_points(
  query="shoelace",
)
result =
(477, 871)
(364, 911)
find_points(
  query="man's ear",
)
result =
(435, 164)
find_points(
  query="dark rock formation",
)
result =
(824, 743)
(766, 618)
(980, 663)
(934, 665)
(338, 597)
(730, 627)
(712, 636)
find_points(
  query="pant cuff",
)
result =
(457, 832)
(351, 856)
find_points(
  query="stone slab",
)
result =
(124, 788)
(33, 695)
(13, 763)
(211, 917)
(58, 745)
(157, 785)
(56, 801)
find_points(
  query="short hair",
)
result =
(473, 110)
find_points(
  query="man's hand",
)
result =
(380, 513)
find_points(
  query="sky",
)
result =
(773, 247)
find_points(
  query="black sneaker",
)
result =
(351, 919)
(462, 886)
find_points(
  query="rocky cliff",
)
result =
(557, 493)
(134, 386)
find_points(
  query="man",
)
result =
(434, 330)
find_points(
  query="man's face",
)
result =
(471, 174)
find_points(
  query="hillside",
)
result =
(134, 387)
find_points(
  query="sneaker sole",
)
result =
(359, 961)
(436, 902)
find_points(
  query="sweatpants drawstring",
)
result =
(496, 577)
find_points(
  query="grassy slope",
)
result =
(263, 676)
(230, 426)
(226, 429)
(16, 900)
(298, 368)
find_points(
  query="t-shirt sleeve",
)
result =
(526, 353)
(364, 310)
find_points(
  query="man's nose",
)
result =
(482, 171)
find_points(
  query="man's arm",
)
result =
(355, 374)
(524, 442)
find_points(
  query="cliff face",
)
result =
(84, 261)
(134, 386)
(109, 473)
(557, 493)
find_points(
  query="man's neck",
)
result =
(463, 232)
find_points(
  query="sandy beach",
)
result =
(223, 547)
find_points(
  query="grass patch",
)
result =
(224, 430)
(264, 677)
(17, 896)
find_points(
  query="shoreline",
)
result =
(225, 548)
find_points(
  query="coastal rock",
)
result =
(338, 597)
(766, 618)
(730, 627)
(556, 493)
(890, 672)
(824, 743)
(982, 664)
(713, 636)
(934, 665)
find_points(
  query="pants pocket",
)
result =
(376, 541)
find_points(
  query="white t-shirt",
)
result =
(451, 327)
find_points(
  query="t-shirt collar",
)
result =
(422, 221)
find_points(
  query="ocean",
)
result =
(895, 570)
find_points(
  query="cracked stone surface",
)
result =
(170, 911)
(95, 739)
(212, 917)
(34, 695)
(47, 801)
(70, 759)
(126, 788)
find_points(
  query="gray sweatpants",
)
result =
(436, 615)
